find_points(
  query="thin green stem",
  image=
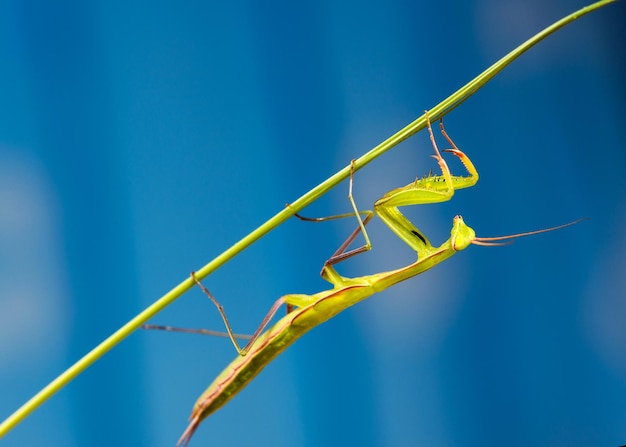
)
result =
(440, 109)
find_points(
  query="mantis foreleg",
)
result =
(428, 189)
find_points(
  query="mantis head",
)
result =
(461, 235)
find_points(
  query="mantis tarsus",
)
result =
(307, 311)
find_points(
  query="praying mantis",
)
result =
(304, 312)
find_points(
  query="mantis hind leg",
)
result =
(242, 351)
(291, 301)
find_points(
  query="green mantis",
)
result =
(308, 311)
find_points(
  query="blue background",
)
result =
(140, 139)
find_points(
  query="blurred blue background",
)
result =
(140, 139)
